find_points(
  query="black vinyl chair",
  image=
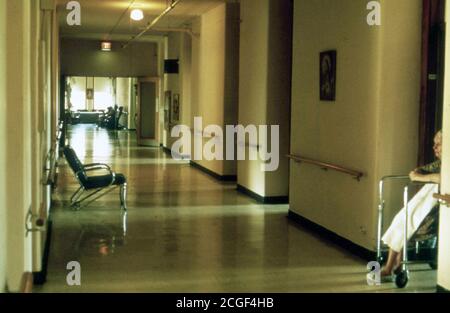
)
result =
(94, 184)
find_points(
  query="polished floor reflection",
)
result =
(186, 232)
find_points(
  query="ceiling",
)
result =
(110, 19)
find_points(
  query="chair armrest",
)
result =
(97, 166)
(97, 169)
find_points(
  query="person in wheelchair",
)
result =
(422, 212)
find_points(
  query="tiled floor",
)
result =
(186, 232)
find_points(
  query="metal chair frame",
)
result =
(74, 199)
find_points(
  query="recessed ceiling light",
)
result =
(137, 14)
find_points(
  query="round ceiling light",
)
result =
(137, 14)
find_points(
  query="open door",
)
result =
(432, 77)
(147, 112)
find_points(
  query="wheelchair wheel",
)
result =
(401, 280)
(433, 265)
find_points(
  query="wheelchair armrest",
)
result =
(419, 183)
(394, 177)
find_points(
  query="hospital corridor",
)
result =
(186, 232)
(195, 148)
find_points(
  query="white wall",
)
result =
(372, 125)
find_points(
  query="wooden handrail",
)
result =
(26, 285)
(443, 199)
(327, 166)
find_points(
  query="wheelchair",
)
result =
(424, 239)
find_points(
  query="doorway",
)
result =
(147, 112)
(432, 81)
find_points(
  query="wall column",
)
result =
(265, 88)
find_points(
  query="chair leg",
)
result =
(74, 203)
(123, 197)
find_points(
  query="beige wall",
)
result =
(213, 73)
(253, 83)
(372, 125)
(84, 58)
(186, 79)
(444, 218)
(18, 192)
(264, 86)
(23, 150)
(37, 134)
(3, 224)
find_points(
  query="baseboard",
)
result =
(261, 199)
(440, 289)
(39, 278)
(357, 250)
(224, 178)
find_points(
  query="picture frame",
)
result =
(328, 75)
(90, 94)
(167, 108)
(175, 113)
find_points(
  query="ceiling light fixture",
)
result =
(137, 14)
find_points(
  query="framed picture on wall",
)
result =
(175, 114)
(328, 75)
(90, 94)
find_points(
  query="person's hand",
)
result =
(414, 176)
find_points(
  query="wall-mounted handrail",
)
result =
(50, 167)
(327, 166)
(443, 199)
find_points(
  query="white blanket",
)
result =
(418, 208)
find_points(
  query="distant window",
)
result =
(103, 93)
(76, 93)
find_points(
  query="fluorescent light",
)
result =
(106, 46)
(137, 14)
